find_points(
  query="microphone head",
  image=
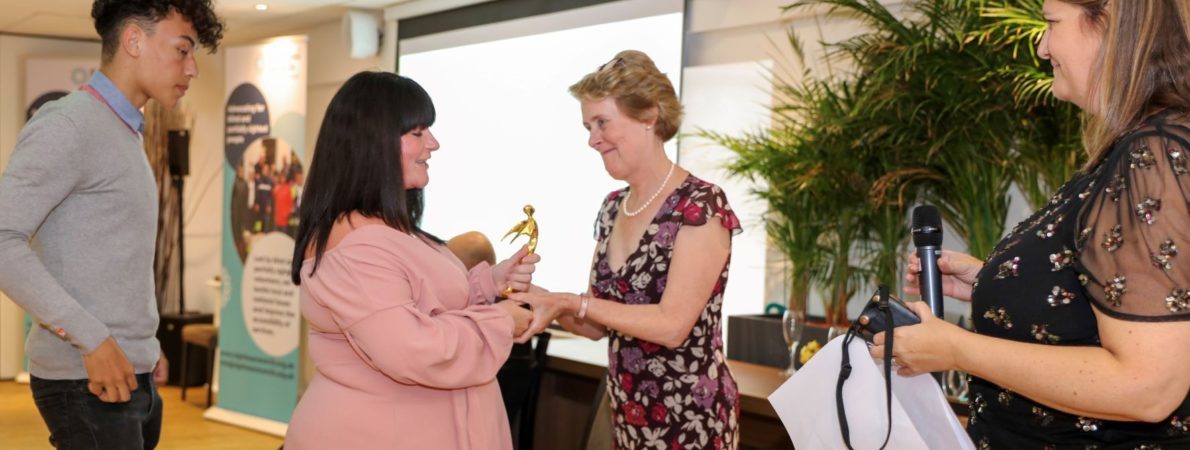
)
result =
(927, 226)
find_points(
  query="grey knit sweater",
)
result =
(79, 182)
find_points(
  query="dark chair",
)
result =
(520, 383)
(203, 335)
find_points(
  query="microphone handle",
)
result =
(930, 278)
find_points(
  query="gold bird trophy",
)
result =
(527, 227)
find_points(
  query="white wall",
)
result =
(730, 98)
(203, 196)
(732, 36)
(14, 50)
(521, 126)
(330, 67)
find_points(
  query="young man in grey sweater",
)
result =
(79, 182)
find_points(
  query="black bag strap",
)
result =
(845, 370)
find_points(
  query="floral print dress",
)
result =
(684, 398)
(1109, 240)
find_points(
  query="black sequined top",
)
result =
(1109, 239)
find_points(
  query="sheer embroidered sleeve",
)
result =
(1136, 226)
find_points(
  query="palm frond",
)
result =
(948, 104)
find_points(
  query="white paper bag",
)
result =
(922, 419)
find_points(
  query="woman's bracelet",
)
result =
(584, 302)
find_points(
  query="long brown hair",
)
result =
(1143, 66)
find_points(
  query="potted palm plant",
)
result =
(942, 106)
(819, 185)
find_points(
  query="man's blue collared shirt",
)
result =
(128, 113)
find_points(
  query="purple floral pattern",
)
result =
(661, 398)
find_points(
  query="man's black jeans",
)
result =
(77, 419)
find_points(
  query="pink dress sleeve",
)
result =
(389, 315)
(483, 289)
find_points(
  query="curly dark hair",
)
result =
(112, 15)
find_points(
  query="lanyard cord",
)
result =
(845, 370)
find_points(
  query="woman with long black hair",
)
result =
(406, 342)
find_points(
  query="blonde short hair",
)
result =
(639, 89)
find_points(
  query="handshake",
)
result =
(534, 310)
(512, 278)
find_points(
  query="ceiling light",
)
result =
(262, 7)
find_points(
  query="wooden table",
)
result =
(567, 401)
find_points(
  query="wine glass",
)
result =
(954, 385)
(955, 382)
(792, 325)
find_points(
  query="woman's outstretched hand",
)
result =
(521, 318)
(546, 307)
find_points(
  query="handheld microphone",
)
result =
(927, 237)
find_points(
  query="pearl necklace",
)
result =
(628, 196)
